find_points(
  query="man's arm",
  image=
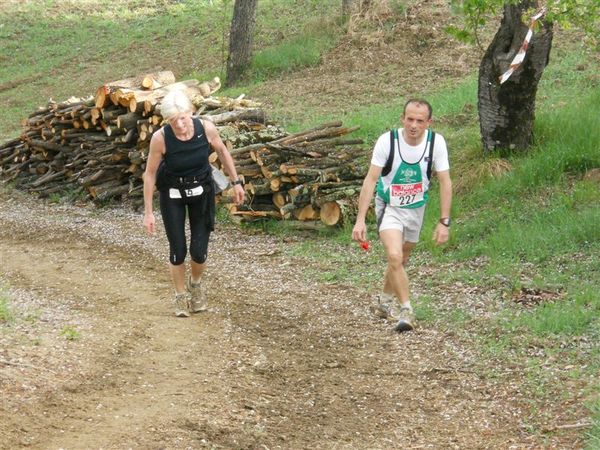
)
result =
(359, 233)
(441, 232)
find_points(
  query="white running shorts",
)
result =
(408, 221)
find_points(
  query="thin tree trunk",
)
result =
(240, 39)
(507, 111)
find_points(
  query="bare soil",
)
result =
(95, 358)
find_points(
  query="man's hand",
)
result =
(441, 234)
(359, 232)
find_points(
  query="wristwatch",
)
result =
(238, 181)
(445, 221)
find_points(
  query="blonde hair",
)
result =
(175, 102)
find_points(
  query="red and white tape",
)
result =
(520, 56)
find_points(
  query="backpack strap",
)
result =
(430, 160)
(388, 164)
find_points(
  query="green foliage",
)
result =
(6, 314)
(580, 14)
(70, 333)
(593, 437)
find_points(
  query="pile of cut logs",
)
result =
(97, 147)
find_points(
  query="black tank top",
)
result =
(187, 158)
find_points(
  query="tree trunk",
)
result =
(507, 111)
(240, 39)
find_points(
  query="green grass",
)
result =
(6, 313)
(301, 51)
(70, 333)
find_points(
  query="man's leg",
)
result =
(407, 249)
(396, 280)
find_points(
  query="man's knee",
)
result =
(395, 260)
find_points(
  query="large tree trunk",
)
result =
(240, 39)
(507, 111)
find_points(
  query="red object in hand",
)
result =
(365, 245)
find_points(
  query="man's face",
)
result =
(415, 121)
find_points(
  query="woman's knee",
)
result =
(199, 250)
(178, 256)
(198, 256)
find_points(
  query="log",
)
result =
(331, 213)
(307, 213)
(338, 212)
(256, 115)
(152, 99)
(128, 120)
(103, 93)
(257, 214)
(49, 176)
(158, 79)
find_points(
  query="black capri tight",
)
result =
(173, 212)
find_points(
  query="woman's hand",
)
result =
(238, 194)
(149, 222)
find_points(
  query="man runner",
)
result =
(400, 169)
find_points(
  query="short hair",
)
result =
(418, 101)
(175, 102)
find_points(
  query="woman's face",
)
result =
(180, 122)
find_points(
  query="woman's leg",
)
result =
(173, 214)
(199, 237)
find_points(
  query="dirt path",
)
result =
(278, 362)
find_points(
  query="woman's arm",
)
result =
(155, 155)
(212, 134)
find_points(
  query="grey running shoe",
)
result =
(198, 301)
(381, 306)
(406, 319)
(182, 305)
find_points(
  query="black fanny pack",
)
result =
(166, 180)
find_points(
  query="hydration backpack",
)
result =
(393, 138)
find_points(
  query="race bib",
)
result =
(406, 194)
(175, 193)
(194, 192)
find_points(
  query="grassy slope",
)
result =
(529, 222)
